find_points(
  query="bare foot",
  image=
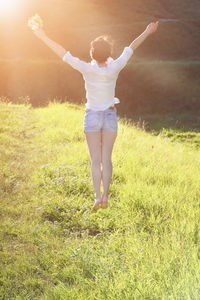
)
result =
(104, 201)
(97, 204)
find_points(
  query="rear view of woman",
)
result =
(100, 124)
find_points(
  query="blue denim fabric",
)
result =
(96, 121)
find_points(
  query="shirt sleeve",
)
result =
(123, 59)
(75, 62)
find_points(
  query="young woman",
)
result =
(100, 124)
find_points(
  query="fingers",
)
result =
(152, 27)
(155, 25)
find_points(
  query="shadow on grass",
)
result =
(75, 221)
(184, 127)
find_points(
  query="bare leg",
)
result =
(94, 145)
(108, 139)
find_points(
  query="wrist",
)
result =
(147, 32)
(43, 36)
(40, 35)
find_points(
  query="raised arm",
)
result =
(59, 50)
(151, 28)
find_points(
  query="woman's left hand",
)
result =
(152, 27)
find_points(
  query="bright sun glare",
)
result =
(8, 6)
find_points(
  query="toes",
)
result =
(96, 206)
(104, 204)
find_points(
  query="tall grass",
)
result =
(146, 245)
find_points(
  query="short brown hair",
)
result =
(101, 49)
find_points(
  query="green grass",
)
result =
(183, 127)
(146, 245)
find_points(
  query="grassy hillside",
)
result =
(144, 246)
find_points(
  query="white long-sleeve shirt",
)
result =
(100, 82)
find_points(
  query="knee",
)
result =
(107, 162)
(96, 162)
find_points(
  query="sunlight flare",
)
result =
(8, 6)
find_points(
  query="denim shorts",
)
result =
(96, 121)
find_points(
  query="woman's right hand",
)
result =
(36, 25)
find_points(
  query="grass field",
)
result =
(146, 245)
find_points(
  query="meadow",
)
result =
(145, 245)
